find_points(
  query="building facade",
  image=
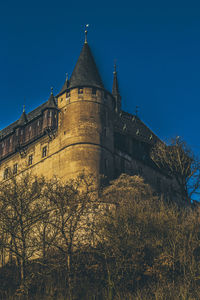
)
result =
(82, 129)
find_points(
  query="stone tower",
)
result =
(86, 119)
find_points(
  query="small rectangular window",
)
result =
(30, 159)
(94, 91)
(44, 151)
(106, 164)
(15, 167)
(68, 94)
(80, 91)
(158, 183)
(5, 174)
(105, 132)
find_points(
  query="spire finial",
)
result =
(24, 108)
(51, 90)
(136, 110)
(86, 26)
(115, 67)
(67, 76)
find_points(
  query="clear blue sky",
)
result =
(156, 45)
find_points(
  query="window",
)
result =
(158, 183)
(5, 174)
(137, 131)
(106, 164)
(15, 168)
(80, 91)
(105, 131)
(94, 91)
(68, 94)
(140, 171)
(44, 151)
(30, 159)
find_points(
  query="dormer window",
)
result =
(80, 91)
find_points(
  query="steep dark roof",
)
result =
(85, 72)
(22, 120)
(30, 116)
(132, 125)
(51, 103)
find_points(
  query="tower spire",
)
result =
(115, 90)
(86, 32)
(85, 72)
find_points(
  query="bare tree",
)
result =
(73, 207)
(180, 162)
(21, 210)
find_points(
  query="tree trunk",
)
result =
(69, 274)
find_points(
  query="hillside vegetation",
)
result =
(70, 241)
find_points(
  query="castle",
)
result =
(83, 128)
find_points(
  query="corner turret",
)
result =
(50, 113)
(86, 119)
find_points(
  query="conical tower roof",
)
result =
(65, 86)
(51, 103)
(85, 72)
(23, 119)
